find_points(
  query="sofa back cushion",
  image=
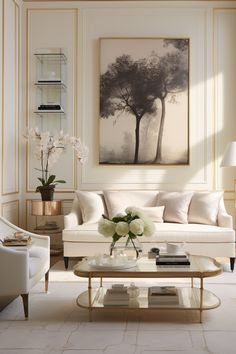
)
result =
(154, 213)
(204, 208)
(91, 205)
(118, 201)
(176, 205)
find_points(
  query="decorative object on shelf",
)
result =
(48, 149)
(126, 228)
(153, 253)
(117, 295)
(162, 295)
(133, 291)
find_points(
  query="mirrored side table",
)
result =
(44, 211)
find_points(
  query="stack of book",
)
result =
(15, 241)
(162, 295)
(172, 260)
(117, 295)
(49, 107)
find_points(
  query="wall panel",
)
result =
(164, 23)
(211, 27)
(10, 211)
(10, 97)
(225, 94)
(59, 30)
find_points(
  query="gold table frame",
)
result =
(193, 298)
(47, 209)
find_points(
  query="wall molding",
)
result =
(16, 15)
(224, 176)
(11, 205)
(75, 11)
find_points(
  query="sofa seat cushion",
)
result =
(165, 232)
(198, 233)
(37, 258)
(84, 233)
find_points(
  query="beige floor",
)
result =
(58, 326)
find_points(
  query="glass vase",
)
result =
(131, 248)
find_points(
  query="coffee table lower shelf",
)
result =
(189, 299)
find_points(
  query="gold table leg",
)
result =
(101, 282)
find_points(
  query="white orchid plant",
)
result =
(132, 224)
(48, 149)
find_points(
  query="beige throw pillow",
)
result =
(91, 205)
(154, 213)
(118, 201)
(204, 208)
(176, 205)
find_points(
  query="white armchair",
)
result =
(22, 267)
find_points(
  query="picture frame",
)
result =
(144, 101)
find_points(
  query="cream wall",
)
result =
(10, 103)
(211, 29)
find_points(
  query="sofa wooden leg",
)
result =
(25, 299)
(232, 261)
(66, 262)
(46, 281)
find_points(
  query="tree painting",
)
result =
(144, 101)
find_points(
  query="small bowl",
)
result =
(19, 235)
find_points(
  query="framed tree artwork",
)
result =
(144, 101)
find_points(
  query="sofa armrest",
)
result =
(225, 220)
(70, 220)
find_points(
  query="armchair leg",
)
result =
(46, 281)
(232, 261)
(25, 299)
(66, 262)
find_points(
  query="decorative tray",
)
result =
(111, 263)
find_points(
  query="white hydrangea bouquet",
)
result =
(131, 225)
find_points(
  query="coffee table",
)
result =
(192, 298)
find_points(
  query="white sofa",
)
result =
(197, 219)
